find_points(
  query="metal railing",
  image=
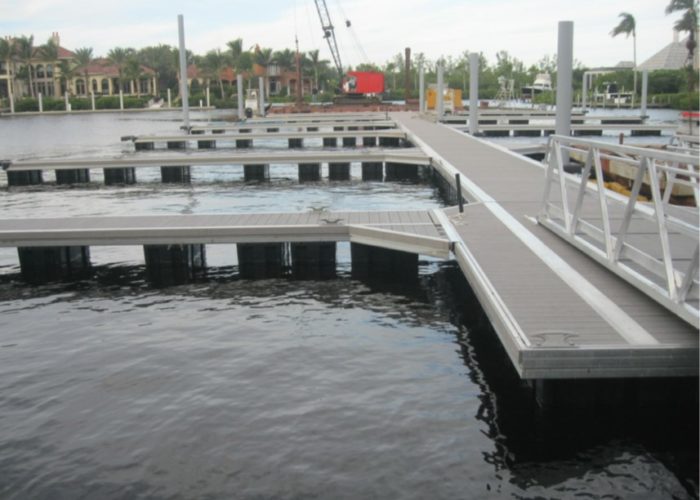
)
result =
(652, 245)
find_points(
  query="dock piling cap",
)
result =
(5, 164)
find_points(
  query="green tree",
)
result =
(628, 26)
(119, 56)
(688, 22)
(213, 64)
(7, 53)
(25, 53)
(133, 73)
(68, 71)
(83, 57)
(163, 60)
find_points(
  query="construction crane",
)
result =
(355, 83)
(329, 35)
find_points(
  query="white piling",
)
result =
(473, 93)
(41, 102)
(261, 96)
(208, 98)
(565, 60)
(645, 87)
(92, 100)
(121, 99)
(239, 91)
(440, 106)
(65, 99)
(12, 101)
(183, 73)
(421, 88)
(200, 104)
(584, 92)
(170, 99)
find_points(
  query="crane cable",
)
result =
(355, 38)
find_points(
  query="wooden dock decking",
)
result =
(558, 313)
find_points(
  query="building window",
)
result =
(80, 86)
(40, 71)
(143, 86)
(105, 86)
(49, 71)
(94, 86)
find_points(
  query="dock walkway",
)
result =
(558, 313)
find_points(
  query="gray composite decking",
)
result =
(405, 156)
(558, 313)
(575, 128)
(287, 134)
(410, 231)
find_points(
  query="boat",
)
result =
(542, 83)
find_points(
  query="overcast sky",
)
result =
(527, 29)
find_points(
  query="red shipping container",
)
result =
(364, 82)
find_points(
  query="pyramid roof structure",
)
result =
(672, 56)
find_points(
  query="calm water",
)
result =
(227, 388)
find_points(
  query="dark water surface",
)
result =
(228, 388)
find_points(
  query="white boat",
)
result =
(542, 83)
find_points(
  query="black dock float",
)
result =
(309, 172)
(339, 171)
(371, 263)
(581, 133)
(349, 142)
(295, 142)
(25, 178)
(74, 176)
(177, 144)
(372, 171)
(527, 133)
(496, 133)
(645, 132)
(144, 146)
(174, 264)
(401, 172)
(206, 144)
(330, 142)
(175, 175)
(391, 142)
(259, 173)
(42, 264)
(313, 260)
(262, 260)
(120, 175)
(243, 143)
(369, 141)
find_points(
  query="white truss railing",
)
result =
(652, 245)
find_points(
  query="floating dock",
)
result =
(559, 313)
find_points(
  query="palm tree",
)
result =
(263, 57)
(118, 56)
(316, 62)
(68, 72)
(628, 26)
(133, 72)
(235, 49)
(688, 22)
(25, 53)
(84, 57)
(213, 64)
(7, 52)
